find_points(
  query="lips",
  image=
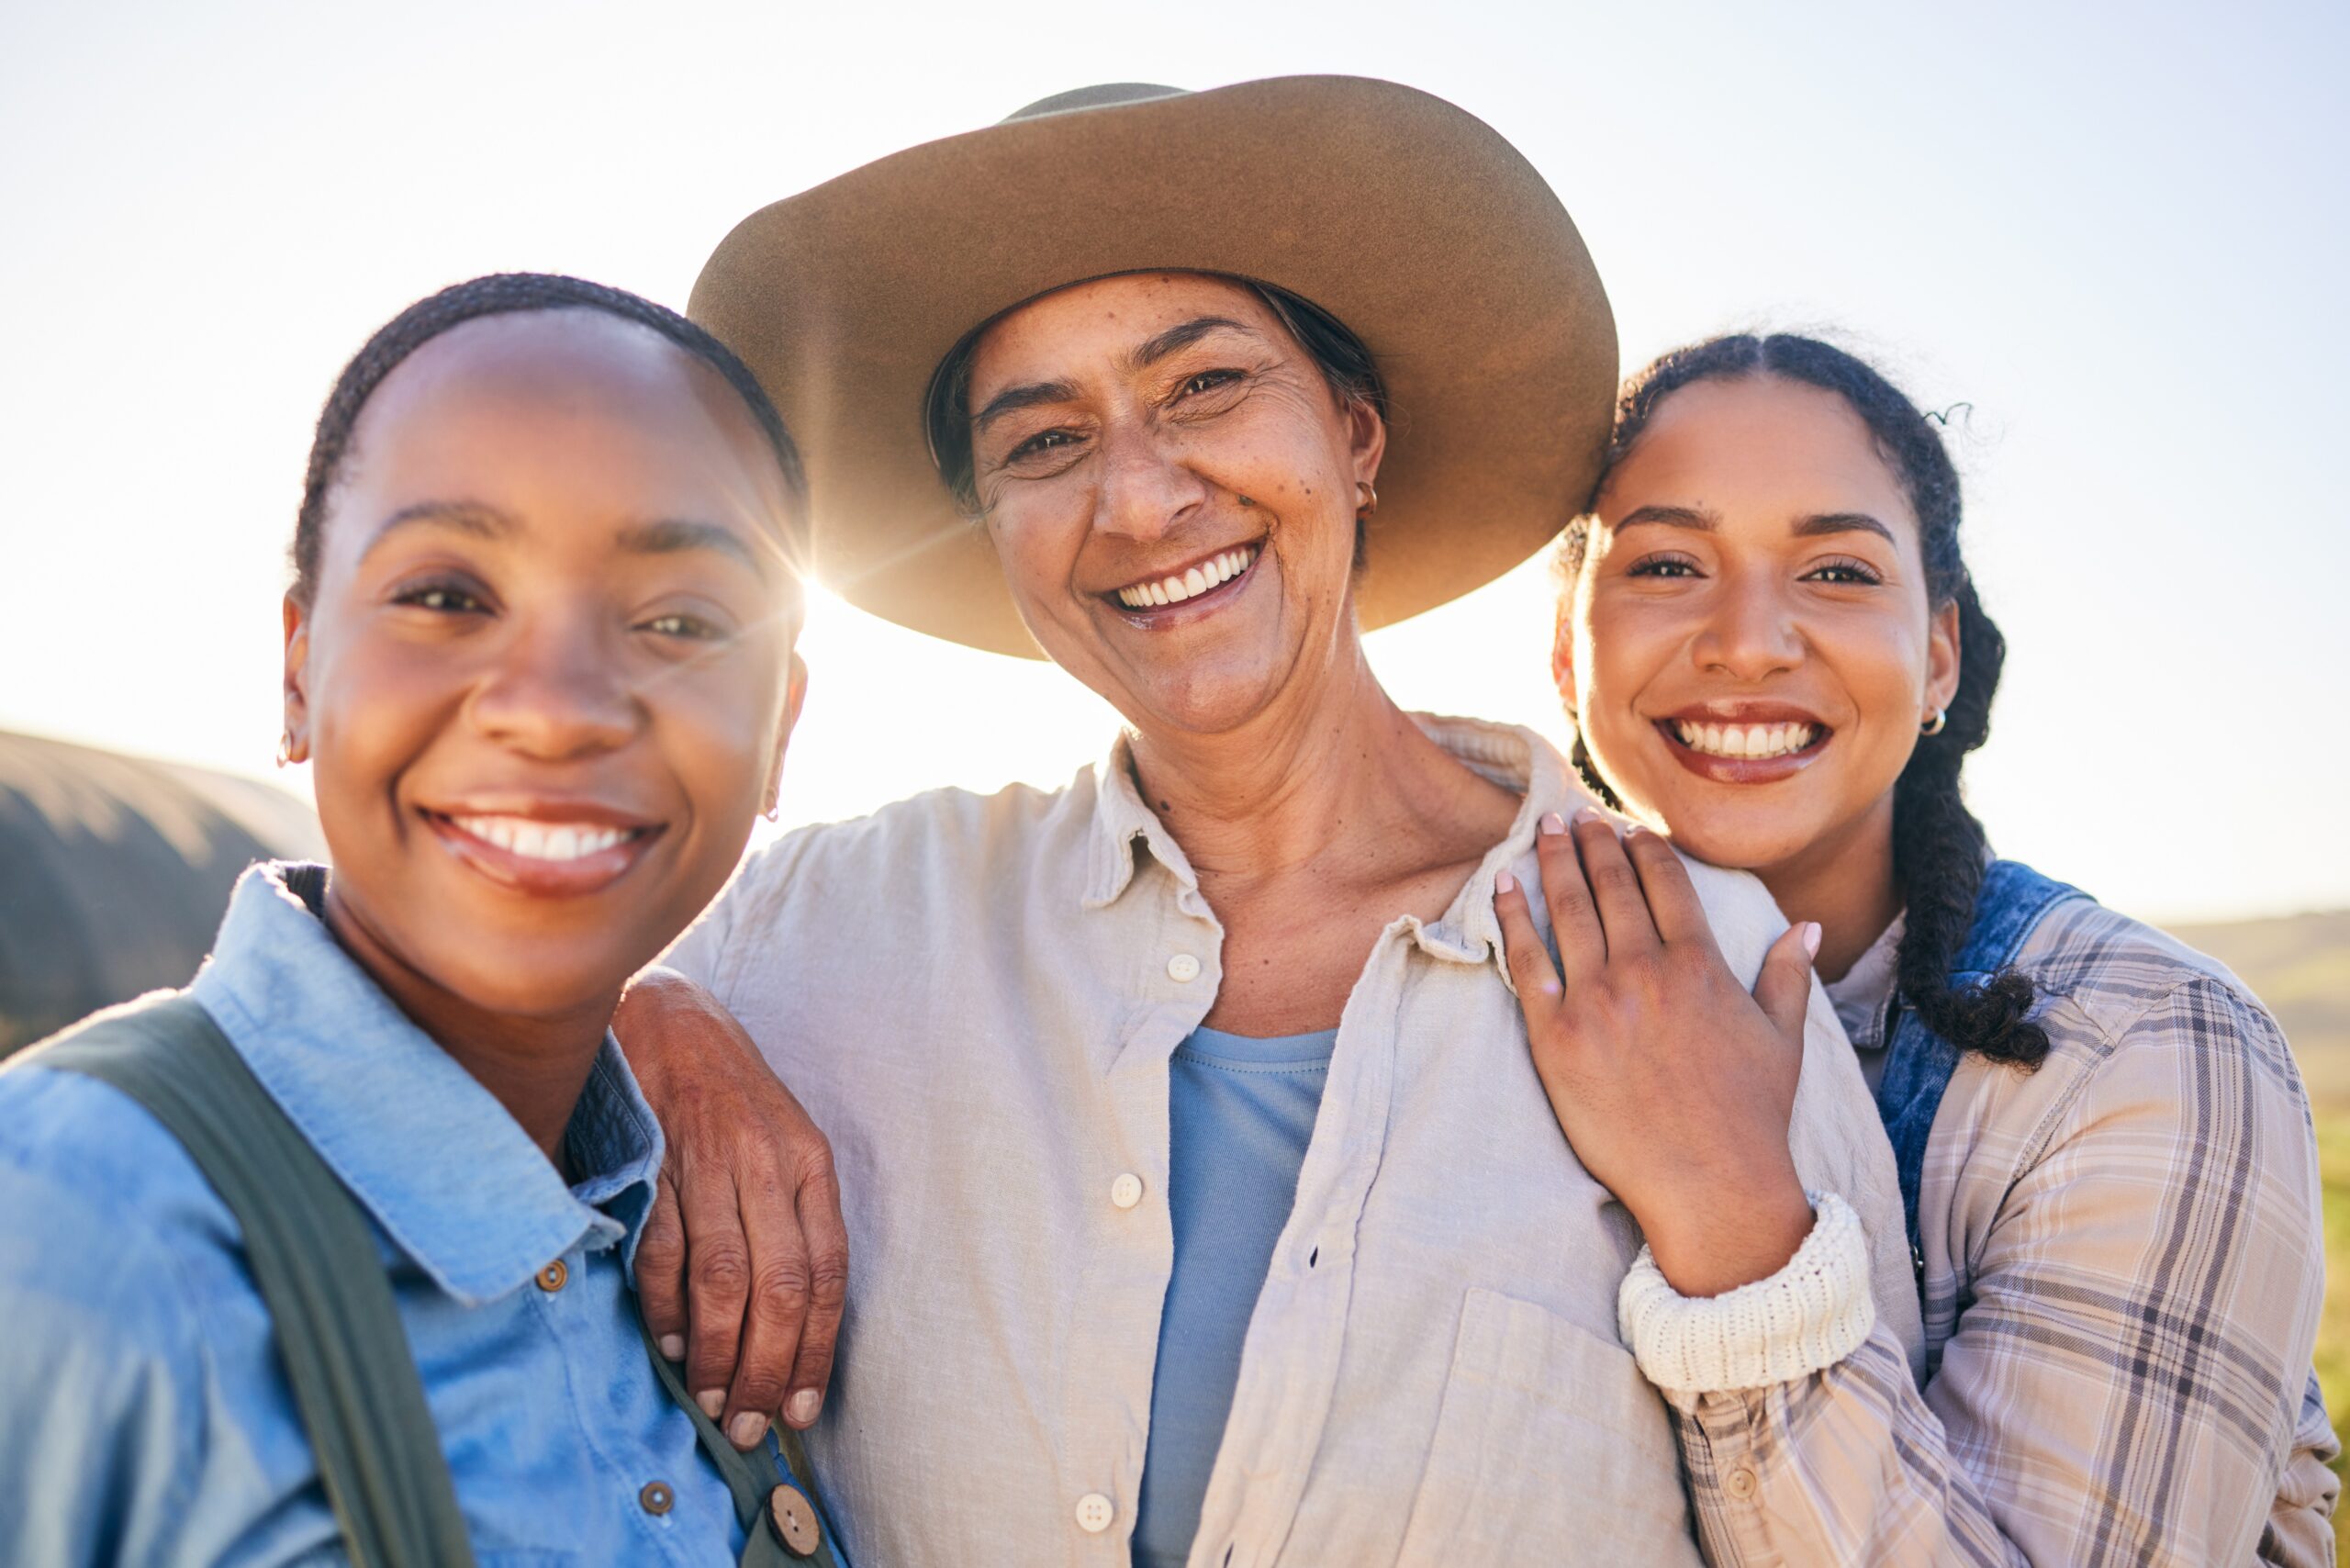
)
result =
(554, 850)
(1744, 743)
(1199, 581)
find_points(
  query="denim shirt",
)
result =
(148, 1417)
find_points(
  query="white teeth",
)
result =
(1193, 583)
(1746, 741)
(545, 841)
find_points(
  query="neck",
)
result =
(1844, 881)
(1342, 768)
(535, 1067)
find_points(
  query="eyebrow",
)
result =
(463, 517)
(1826, 523)
(672, 534)
(1814, 526)
(481, 520)
(1011, 399)
(1176, 339)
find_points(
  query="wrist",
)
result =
(1712, 1243)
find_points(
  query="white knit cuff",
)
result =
(1808, 1316)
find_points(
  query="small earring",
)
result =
(1934, 727)
(284, 748)
(1367, 499)
(774, 813)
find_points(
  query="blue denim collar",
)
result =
(1917, 1062)
(432, 1155)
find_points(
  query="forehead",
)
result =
(521, 399)
(1055, 334)
(1757, 449)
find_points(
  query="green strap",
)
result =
(316, 1262)
(749, 1479)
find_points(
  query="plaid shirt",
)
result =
(2123, 1265)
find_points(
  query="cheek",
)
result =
(374, 708)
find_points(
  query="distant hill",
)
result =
(2299, 966)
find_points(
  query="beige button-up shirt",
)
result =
(977, 997)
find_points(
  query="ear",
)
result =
(795, 694)
(1563, 650)
(297, 695)
(1367, 436)
(1941, 660)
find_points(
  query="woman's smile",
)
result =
(548, 848)
(1197, 590)
(1744, 743)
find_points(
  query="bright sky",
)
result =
(2119, 238)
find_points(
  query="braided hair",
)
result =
(505, 294)
(1939, 848)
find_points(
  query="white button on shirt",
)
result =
(1432, 1372)
(1126, 1190)
(1095, 1513)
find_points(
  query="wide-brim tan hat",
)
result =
(1409, 218)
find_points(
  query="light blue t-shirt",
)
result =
(148, 1418)
(1240, 1113)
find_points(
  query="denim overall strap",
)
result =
(1919, 1062)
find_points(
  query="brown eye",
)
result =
(1845, 574)
(1208, 381)
(445, 598)
(1042, 442)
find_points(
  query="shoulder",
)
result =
(105, 1230)
(2110, 988)
(945, 853)
(99, 1204)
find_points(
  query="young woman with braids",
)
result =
(1776, 661)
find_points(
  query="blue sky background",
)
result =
(2116, 233)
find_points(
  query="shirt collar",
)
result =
(447, 1173)
(1516, 758)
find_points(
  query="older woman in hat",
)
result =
(1204, 1201)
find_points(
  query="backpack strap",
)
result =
(315, 1261)
(1918, 1063)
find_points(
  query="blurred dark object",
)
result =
(115, 871)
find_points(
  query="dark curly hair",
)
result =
(1939, 849)
(506, 294)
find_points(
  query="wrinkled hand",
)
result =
(742, 1267)
(1676, 1087)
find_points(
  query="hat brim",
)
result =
(1404, 216)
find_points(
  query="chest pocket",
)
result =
(1548, 1444)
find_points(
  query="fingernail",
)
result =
(712, 1402)
(1503, 882)
(1588, 814)
(746, 1428)
(1811, 938)
(804, 1405)
(672, 1347)
(1553, 823)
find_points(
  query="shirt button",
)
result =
(1181, 967)
(1740, 1483)
(551, 1277)
(655, 1498)
(1126, 1190)
(794, 1521)
(1094, 1513)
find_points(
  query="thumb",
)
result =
(1784, 988)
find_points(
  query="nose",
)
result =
(556, 691)
(1752, 633)
(1146, 489)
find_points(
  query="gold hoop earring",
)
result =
(1934, 727)
(1366, 499)
(284, 748)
